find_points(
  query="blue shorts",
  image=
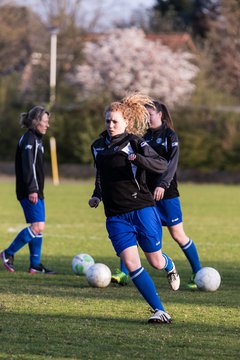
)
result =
(169, 211)
(33, 212)
(141, 227)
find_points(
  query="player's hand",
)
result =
(94, 202)
(33, 198)
(132, 157)
(158, 193)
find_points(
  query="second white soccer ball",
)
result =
(81, 263)
(208, 279)
(99, 275)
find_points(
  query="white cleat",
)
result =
(173, 279)
(160, 317)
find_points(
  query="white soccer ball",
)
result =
(99, 275)
(208, 279)
(81, 263)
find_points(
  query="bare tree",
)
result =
(25, 43)
(222, 49)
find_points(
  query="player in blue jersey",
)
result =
(163, 139)
(29, 189)
(132, 219)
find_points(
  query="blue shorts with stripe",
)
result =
(169, 211)
(33, 212)
(139, 227)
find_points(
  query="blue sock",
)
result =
(146, 287)
(24, 237)
(35, 247)
(123, 267)
(169, 263)
(191, 254)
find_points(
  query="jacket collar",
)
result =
(154, 131)
(114, 139)
(39, 136)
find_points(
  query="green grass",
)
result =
(61, 317)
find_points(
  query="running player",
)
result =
(121, 158)
(163, 139)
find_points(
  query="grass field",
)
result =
(61, 317)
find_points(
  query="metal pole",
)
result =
(53, 149)
(53, 76)
(53, 65)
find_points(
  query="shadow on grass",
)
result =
(65, 284)
(96, 337)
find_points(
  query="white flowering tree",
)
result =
(125, 60)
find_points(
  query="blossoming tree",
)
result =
(125, 60)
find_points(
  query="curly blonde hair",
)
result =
(133, 109)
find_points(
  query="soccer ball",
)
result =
(99, 275)
(81, 263)
(208, 279)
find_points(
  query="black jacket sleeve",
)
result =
(28, 151)
(173, 148)
(97, 192)
(147, 158)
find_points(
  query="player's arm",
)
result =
(28, 149)
(173, 147)
(97, 192)
(147, 158)
(94, 202)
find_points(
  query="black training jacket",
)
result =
(121, 184)
(29, 165)
(165, 142)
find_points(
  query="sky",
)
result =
(111, 10)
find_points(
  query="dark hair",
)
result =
(161, 107)
(32, 117)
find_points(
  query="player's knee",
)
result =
(158, 263)
(176, 238)
(41, 228)
(37, 228)
(180, 239)
(131, 265)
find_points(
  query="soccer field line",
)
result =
(18, 227)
